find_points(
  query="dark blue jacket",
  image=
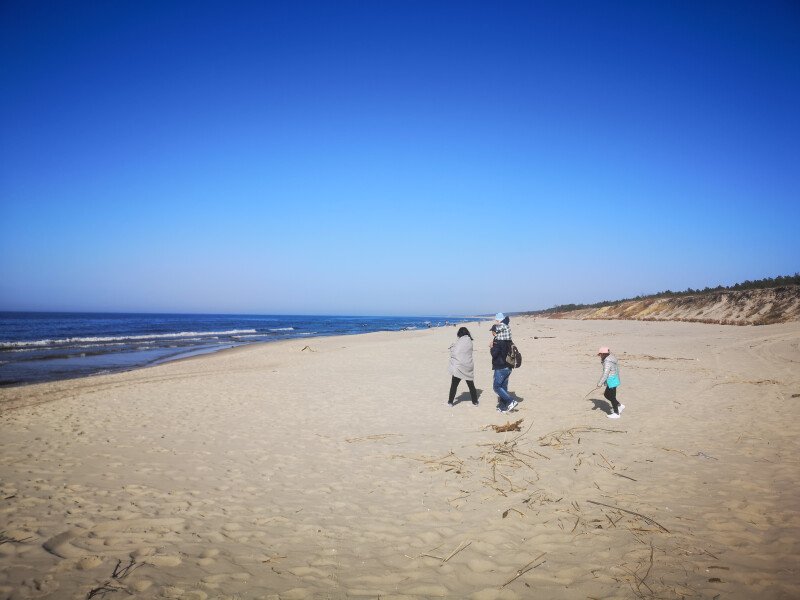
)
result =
(500, 350)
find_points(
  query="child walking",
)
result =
(611, 379)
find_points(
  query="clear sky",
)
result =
(392, 157)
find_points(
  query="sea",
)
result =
(39, 347)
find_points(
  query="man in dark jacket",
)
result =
(502, 371)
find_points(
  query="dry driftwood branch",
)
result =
(630, 512)
(507, 427)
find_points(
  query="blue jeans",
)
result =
(501, 385)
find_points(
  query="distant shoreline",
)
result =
(43, 347)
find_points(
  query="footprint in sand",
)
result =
(140, 585)
(177, 593)
(208, 557)
(61, 547)
(88, 562)
(163, 560)
(494, 594)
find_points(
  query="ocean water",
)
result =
(37, 347)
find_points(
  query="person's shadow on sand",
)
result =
(465, 397)
(603, 405)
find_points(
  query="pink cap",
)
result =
(604, 350)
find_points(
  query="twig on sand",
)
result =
(309, 348)
(704, 455)
(630, 512)
(276, 557)
(649, 567)
(554, 438)
(673, 450)
(103, 590)
(377, 436)
(590, 391)
(426, 554)
(605, 459)
(121, 573)
(4, 539)
(625, 476)
(118, 574)
(526, 568)
(466, 495)
(461, 546)
(522, 434)
(505, 512)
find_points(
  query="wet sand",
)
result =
(333, 468)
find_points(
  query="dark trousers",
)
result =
(454, 386)
(611, 395)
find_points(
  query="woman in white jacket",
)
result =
(462, 365)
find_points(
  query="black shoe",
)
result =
(475, 403)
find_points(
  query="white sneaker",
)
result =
(512, 405)
(613, 416)
(621, 408)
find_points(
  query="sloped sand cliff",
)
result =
(749, 307)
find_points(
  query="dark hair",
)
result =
(507, 320)
(464, 331)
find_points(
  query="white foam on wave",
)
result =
(122, 338)
(283, 329)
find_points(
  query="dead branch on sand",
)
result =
(515, 426)
(558, 439)
(529, 567)
(118, 574)
(377, 436)
(630, 512)
(449, 462)
(4, 539)
(460, 547)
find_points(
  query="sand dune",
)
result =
(338, 471)
(747, 307)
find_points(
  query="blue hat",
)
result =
(499, 317)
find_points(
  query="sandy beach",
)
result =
(333, 468)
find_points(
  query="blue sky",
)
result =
(392, 157)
